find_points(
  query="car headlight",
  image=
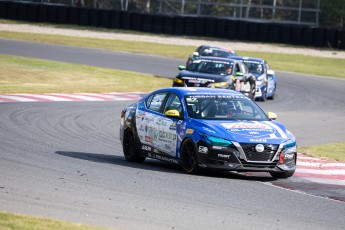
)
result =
(260, 80)
(290, 148)
(213, 140)
(178, 81)
(219, 85)
(288, 153)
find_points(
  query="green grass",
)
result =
(14, 222)
(27, 75)
(334, 151)
(333, 67)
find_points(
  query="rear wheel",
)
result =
(280, 175)
(189, 162)
(131, 147)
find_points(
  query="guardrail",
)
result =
(175, 25)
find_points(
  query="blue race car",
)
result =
(266, 80)
(271, 84)
(207, 128)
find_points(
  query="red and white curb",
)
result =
(319, 170)
(71, 97)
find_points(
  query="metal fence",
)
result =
(303, 12)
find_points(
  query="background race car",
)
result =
(213, 72)
(210, 51)
(266, 81)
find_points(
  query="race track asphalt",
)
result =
(311, 107)
(64, 160)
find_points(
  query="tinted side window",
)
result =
(155, 101)
(173, 102)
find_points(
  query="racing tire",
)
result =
(189, 161)
(281, 175)
(264, 96)
(273, 94)
(131, 147)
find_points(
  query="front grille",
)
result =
(259, 165)
(253, 155)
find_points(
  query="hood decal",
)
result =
(254, 131)
(280, 131)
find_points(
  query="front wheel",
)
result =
(189, 162)
(280, 175)
(131, 147)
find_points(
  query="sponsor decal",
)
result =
(223, 156)
(146, 148)
(203, 149)
(258, 140)
(163, 158)
(218, 147)
(197, 80)
(208, 130)
(253, 130)
(245, 126)
(289, 156)
(165, 135)
(173, 126)
(189, 131)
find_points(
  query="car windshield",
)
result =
(217, 53)
(211, 67)
(255, 68)
(223, 107)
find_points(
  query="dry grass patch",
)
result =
(26, 75)
(334, 151)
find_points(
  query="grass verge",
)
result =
(14, 222)
(27, 75)
(334, 151)
(333, 67)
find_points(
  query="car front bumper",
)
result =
(244, 158)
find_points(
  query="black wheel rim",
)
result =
(188, 157)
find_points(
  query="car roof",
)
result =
(218, 47)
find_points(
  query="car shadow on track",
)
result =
(162, 166)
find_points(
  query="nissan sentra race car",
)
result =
(266, 80)
(210, 51)
(207, 128)
(214, 72)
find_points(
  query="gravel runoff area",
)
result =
(177, 40)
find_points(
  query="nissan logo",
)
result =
(259, 148)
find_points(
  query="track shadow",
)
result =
(162, 166)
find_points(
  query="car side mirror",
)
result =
(181, 67)
(195, 54)
(270, 72)
(172, 113)
(272, 115)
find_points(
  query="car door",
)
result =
(167, 137)
(147, 119)
(155, 129)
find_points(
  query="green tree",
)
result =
(332, 13)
